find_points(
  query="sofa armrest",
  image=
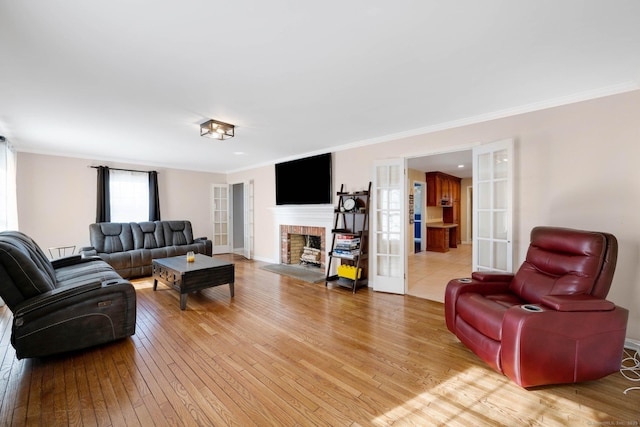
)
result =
(576, 303)
(482, 276)
(72, 260)
(457, 287)
(208, 245)
(74, 317)
(88, 251)
(66, 294)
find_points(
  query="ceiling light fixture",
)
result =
(217, 130)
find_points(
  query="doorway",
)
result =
(419, 230)
(429, 272)
(237, 218)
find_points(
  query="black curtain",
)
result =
(103, 212)
(154, 198)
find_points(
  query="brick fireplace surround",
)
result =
(285, 241)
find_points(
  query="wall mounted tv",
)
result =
(304, 181)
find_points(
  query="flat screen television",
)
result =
(304, 181)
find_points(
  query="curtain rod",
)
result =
(118, 169)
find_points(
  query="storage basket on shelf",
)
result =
(349, 271)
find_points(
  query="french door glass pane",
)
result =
(383, 266)
(382, 176)
(395, 176)
(484, 195)
(500, 164)
(499, 225)
(383, 220)
(484, 224)
(395, 267)
(500, 194)
(500, 255)
(484, 167)
(383, 243)
(484, 253)
(394, 222)
(382, 199)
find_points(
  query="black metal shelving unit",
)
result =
(351, 222)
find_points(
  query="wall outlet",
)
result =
(632, 344)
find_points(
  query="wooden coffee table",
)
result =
(185, 277)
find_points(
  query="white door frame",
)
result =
(469, 232)
(248, 219)
(423, 213)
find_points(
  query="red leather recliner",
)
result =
(550, 322)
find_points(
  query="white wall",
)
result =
(57, 197)
(264, 222)
(575, 167)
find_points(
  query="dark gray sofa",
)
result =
(130, 247)
(67, 304)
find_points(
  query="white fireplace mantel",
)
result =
(309, 215)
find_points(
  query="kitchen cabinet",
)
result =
(441, 237)
(444, 190)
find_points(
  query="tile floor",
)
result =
(429, 272)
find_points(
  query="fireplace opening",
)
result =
(303, 246)
(311, 251)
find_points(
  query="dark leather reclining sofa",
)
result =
(62, 305)
(130, 247)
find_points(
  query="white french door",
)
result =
(493, 206)
(248, 220)
(220, 218)
(388, 220)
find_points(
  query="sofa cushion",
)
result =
(177, 233)
(147, 235)
(93, 271)
(110, 237)
(485, 312)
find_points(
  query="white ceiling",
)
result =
(457, 163)
(130, 81)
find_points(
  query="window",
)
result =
(129, 194)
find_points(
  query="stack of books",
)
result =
(347, 246)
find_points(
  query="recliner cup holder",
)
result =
(532, 308)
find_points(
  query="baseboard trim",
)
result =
(632, 344)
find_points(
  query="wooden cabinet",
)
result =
(444, 190)
(350, 241)
(437, 239)
(441, 237)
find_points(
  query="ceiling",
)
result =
(457, 163)
(130, 81)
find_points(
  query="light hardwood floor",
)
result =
(429, 272)
(284, 352)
